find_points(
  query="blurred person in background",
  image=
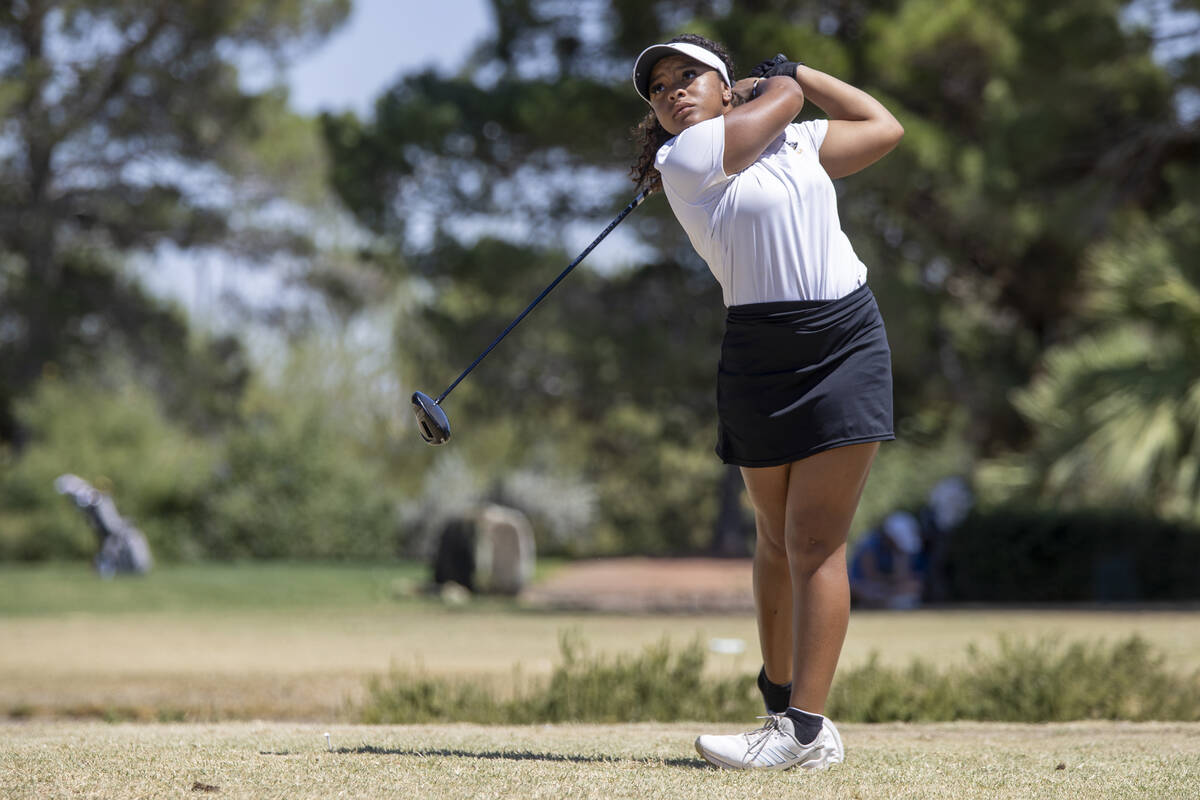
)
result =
(949, 504)
(888, 567)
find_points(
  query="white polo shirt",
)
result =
(770, 232)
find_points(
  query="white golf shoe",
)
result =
(773, 746)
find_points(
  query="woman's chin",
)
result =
(686, 121)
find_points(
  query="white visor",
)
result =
(651, 55)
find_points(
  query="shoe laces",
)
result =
(756, 740)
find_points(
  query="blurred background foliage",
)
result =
(1032, 243)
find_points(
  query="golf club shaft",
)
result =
(637, 201)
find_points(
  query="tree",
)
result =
(125, 127)
(1030, 134)
(1117, 410)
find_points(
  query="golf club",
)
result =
(431, 419)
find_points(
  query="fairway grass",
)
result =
(1082, 761)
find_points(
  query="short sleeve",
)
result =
(692, 163)
(812, 133)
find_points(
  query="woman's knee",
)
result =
(767, 489)
(810, 547)
(770, 536)
(823, 494)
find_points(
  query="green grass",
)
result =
(1150, 761)
(67, 588)
(71, 588)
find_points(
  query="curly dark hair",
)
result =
(652, 135)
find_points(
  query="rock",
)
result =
(454, 594)
(504, 550)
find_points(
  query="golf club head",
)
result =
(431, 420)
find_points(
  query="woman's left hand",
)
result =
(773, 67)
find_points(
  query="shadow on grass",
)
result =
(505, 755)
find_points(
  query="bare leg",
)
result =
(768, 490)
(816, 498)
(823, 493)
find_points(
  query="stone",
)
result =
(504, 550)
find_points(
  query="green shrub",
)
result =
(303, 473)
(404, 698)
(1037, 556)
(118, 440)
(289, 488)
(656, 684)
(1041, 681)
(282, 484)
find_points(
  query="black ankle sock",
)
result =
(807, 725)
(775, 696)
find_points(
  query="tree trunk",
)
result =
(733, 527)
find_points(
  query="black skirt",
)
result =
(800, 377)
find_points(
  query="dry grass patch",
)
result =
(306, 663)
(1122, 761)
(297, 641)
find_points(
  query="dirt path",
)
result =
(648, 585)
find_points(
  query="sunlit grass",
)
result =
(884, 762)
(65, 588)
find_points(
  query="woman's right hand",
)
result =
(743, 90)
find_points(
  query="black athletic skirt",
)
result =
(800, 377)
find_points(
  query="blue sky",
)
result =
(381, 40)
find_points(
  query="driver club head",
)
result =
(431, 420)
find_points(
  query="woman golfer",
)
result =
(804, 387)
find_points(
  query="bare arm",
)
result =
(751, 126)
(861, 130)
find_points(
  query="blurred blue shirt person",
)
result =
(888, 565)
